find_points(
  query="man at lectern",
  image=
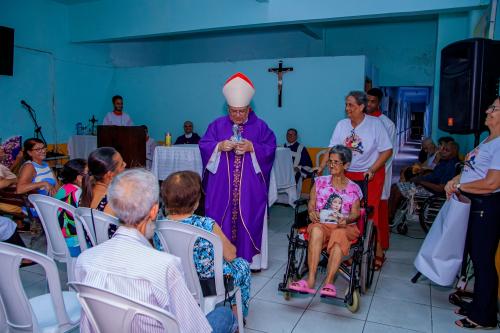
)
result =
(117, 117)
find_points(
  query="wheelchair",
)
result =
(359, 274)
(417, 208)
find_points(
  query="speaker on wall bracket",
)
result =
(469, 78)
(6, 51)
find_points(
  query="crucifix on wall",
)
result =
(280, 70)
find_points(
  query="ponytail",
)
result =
(88, 183)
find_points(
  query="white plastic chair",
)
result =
(178, 239)
(101, 305)
(97, 224)
(83, 229)
(57, 311)
(47, 210)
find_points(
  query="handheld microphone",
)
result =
(23, 102)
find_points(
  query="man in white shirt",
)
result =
(128, 265)
(117, 117)
(374, 97)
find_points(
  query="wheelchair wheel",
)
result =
(429, 211)
(402, 228)
(400, 215)
(368, 260)
(352, 300)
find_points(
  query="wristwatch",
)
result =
(458, 186)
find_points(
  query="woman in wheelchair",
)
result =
(181, 193)
(334, 209)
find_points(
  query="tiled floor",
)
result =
(393, 305)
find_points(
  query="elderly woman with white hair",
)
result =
(128, 265)
(334, 209)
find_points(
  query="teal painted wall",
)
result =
(395, 61)
(403, 52)
(93, 21)
(63, 82)
(313, 94)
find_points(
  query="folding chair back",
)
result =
(47, 209)
(97, 223)
(179, 239)
(111, 312)
(19, 312)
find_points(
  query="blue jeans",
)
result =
(222, 320)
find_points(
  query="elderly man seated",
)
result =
(128, 265)
(431, 183)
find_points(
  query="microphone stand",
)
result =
(38, 128)
(38, 131)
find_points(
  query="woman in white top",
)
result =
(35, 174)
(480, 182)
(371, 147)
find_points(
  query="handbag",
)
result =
(440, 256)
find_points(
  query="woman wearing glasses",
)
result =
(371, 147)
(334, 208)
(480, 182)
(35, 174)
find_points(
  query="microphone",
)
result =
(23, 102)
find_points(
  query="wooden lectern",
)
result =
(130, 141)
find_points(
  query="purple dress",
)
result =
(236, 196)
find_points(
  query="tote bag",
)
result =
(440, 257)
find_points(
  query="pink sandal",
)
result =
(301, 287)
(328, 290)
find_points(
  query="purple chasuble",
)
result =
(236, 196)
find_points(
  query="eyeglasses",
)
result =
(39, 149)
(234, 112)
(493, 108)
(333, 163)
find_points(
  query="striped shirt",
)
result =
(43, 174)
(128, 265)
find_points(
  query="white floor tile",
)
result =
(274, 266)
(400, 314)
(401, 271)
(443, 321)
(272, 317)
(271, 293)
(29, 278)
(379, 328)
(319, 322)
(439, 297)
(401, 256)
(338, 307)
(258, 282)
(395, 288)
(36, 289)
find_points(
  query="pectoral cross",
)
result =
(280, 70)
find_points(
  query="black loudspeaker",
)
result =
(470, 75)
(6, 51)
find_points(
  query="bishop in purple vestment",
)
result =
(237, 169)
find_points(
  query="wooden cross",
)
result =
(93, 121)
(280, 70)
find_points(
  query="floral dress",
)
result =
(203, 257)
(70, 194)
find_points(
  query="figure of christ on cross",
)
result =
(280, 70)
